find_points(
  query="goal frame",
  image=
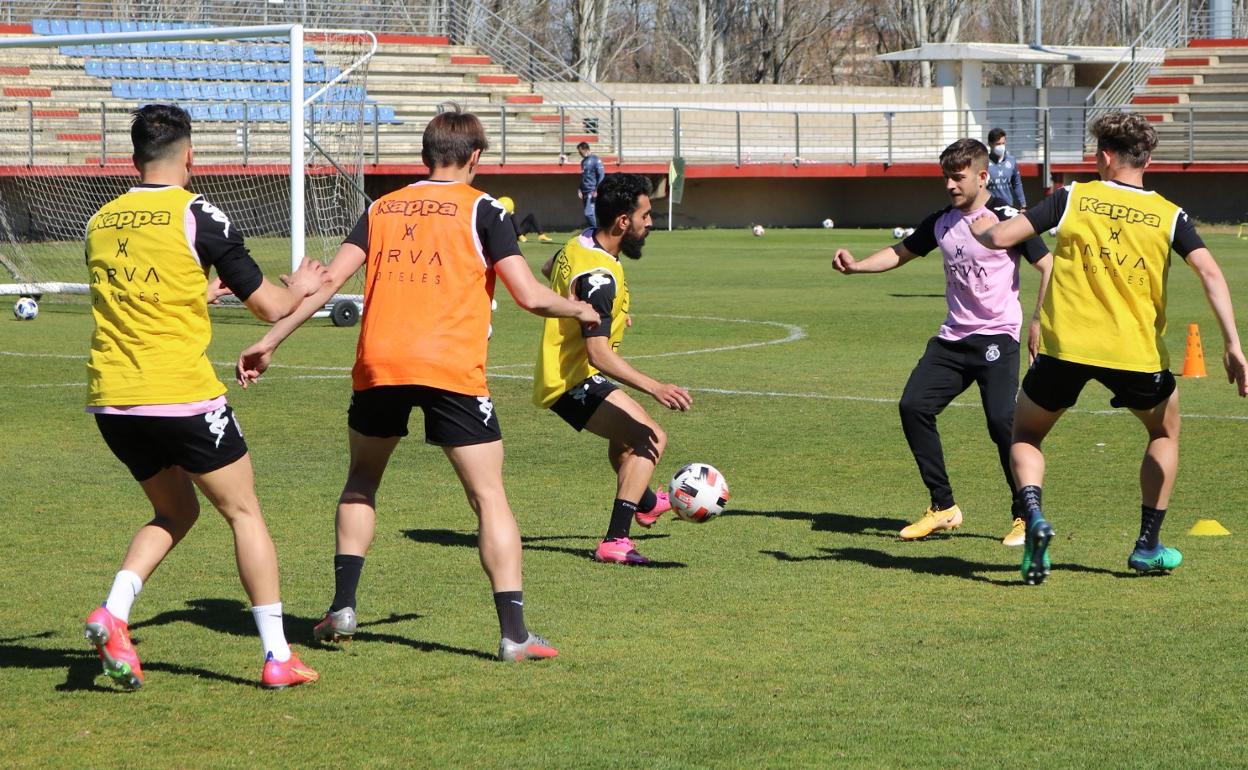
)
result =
(293, 35)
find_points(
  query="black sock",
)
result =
(621, 519)
(1150, 526)
(648, 501)
(347, 570)
(510, 607)
(1028, 501)
(943, 505)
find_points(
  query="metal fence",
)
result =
(1045, 135)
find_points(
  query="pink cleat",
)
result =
(288, 673)
(111, 637)
(621, 550)
(661, 506)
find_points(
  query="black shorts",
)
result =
(580, 402)
(200, 443)
(451, 419)
(1055, 385)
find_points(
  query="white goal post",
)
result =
(279, 115)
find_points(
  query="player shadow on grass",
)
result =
(450, 537)
(82, 665)
(847, 524)
(230, 616)
(951, 566)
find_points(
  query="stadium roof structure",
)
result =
(1012, 53)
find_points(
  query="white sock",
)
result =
(126, 587)
(272, 635)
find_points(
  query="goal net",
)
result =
(280, 117)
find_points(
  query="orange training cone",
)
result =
(1194, 358)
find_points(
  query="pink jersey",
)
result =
(981, 284)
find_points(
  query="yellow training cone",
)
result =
(1208, 527)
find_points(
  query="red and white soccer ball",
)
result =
(698, 492)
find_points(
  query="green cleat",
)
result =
(1159, 559)
(1036, 564)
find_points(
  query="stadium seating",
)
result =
(227, 84)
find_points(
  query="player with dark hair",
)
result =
(573, 359)
(1104, 319)
(592, 173)
(156, 399)
(978, 341)
(433, 250)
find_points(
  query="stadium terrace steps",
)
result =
(407, 78)
(1205, 82)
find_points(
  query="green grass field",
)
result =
(794, 631)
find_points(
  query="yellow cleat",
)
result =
(544, 238)
(950, 518)
(1017, 536)
(523, 239)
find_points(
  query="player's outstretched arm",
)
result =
(1045, 266)
(253, 361)
(1219, 296)
(880, 262)
(612, 364)
(270, 302)
(994, 234)
(537, 299)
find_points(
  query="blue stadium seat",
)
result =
(130, 69)
(77, 27)
(149, 69)
(174, 50)
(190, 91)
(216, 70)
(158, 90)
(58, 27)
(217, 111)
(95, 68)
(176, 91)
(234, 72)
(129, 26)
(199, 71)
(111, 27)
(121, 89)
(198, 111)
(166, 69)
(40, 27)
(95, 27)
(234, 111)
(112, 69)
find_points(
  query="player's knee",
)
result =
(177, 523)
(911, 408)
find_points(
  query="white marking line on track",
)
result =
(717, 391)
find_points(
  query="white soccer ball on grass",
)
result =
(698, 492)
(25, 309)
(828, 224)
(758, 230)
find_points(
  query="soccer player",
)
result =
(592, 173)
(433, 250)
(523, 227)
(978, 341)
(574, 357)
(1005, 182)
(156, 399)
(1104, 319)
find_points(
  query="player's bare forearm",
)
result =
(612, 364)
(1218, 294)
(345, 263)
(1001, 235)
(882, 261)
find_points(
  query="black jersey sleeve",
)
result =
(219, 245)
(495, 230)
(1186, 239)
(359, 234)
(1047, 213)
(1033, 249)
(923, 239)
(598, 289)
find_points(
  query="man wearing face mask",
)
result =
(1004, 181)
(575, 360)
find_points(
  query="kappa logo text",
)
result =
(120, 219)
(1118, 211)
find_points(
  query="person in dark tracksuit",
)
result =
(978, 341)
(592, 173)
(1004, 180)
